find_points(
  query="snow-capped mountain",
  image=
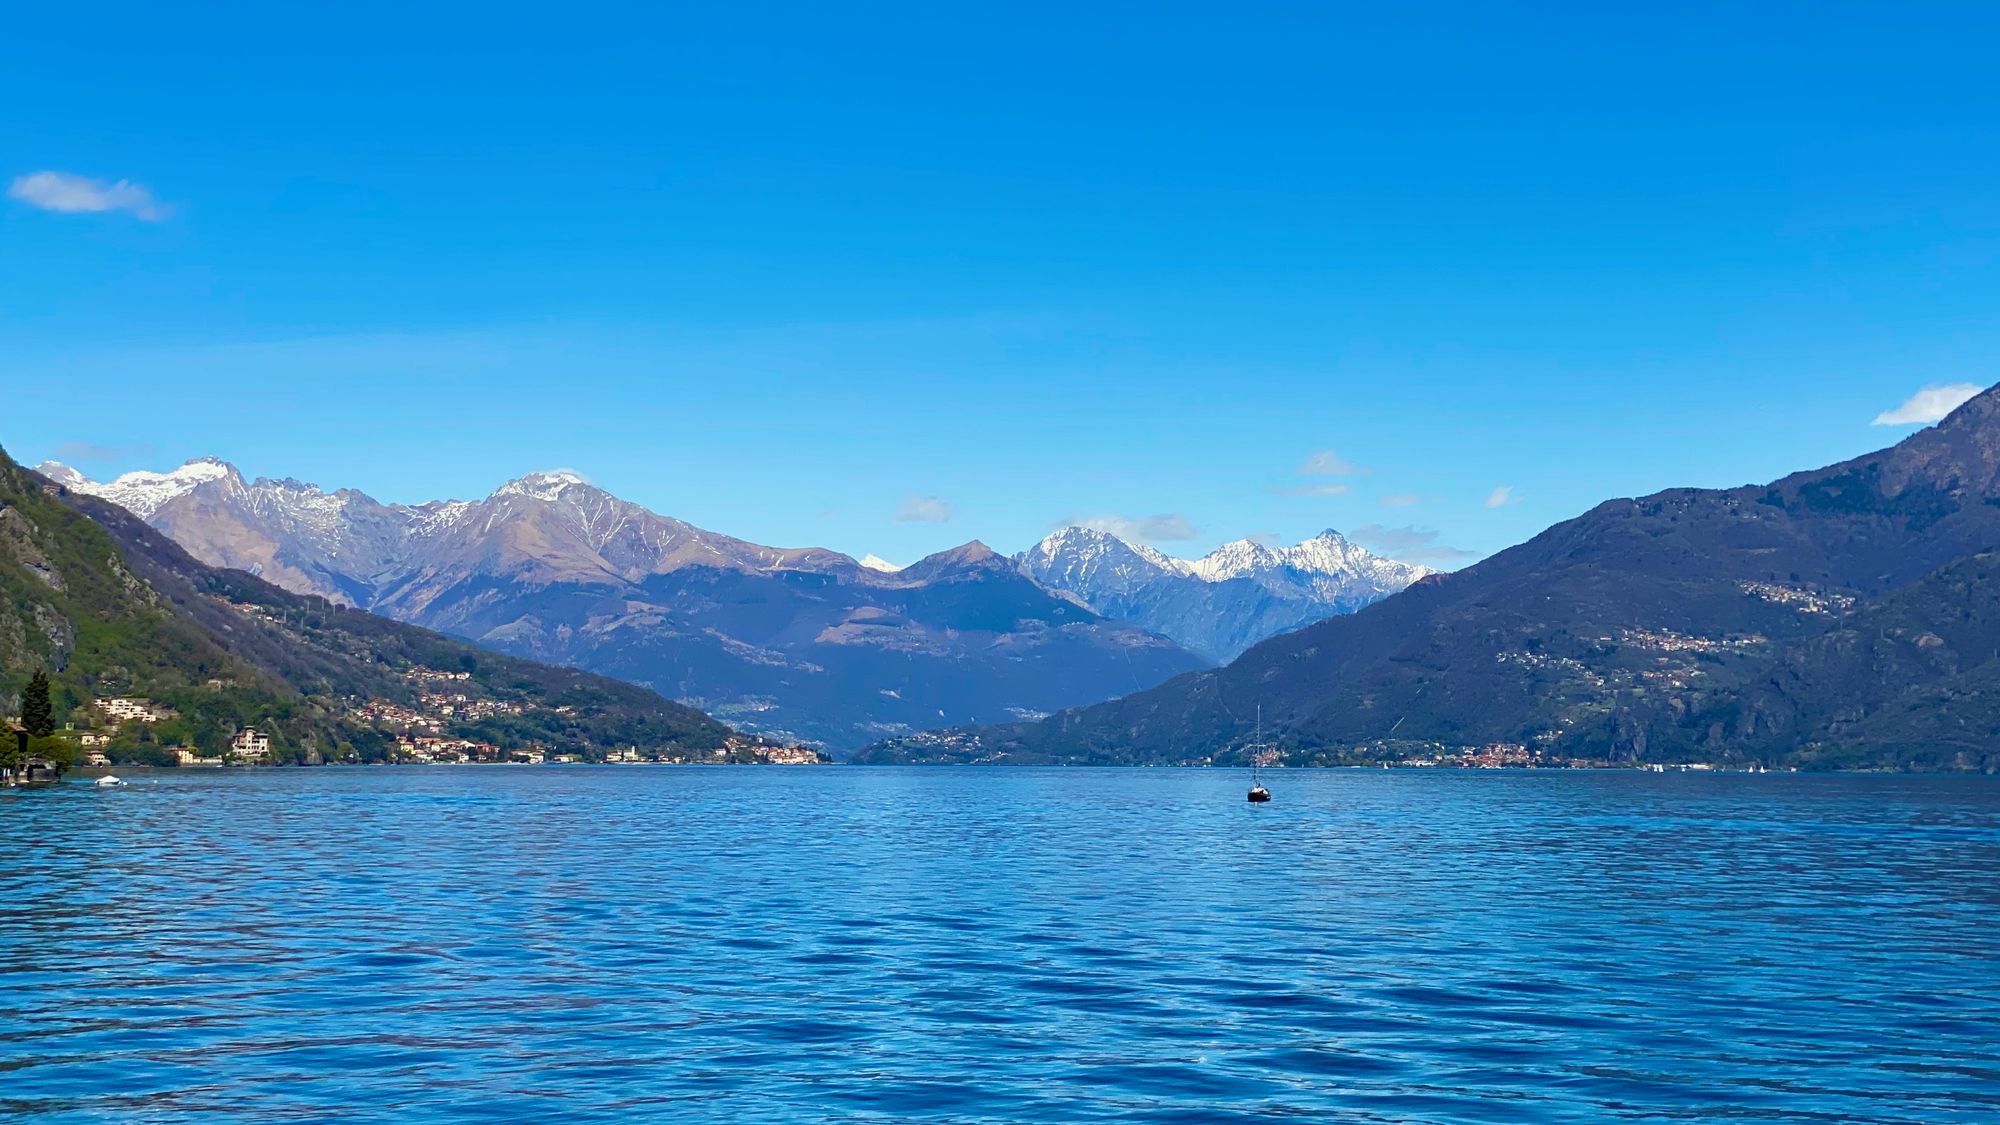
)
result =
(1224, 602)
(144, 493)
(806, 642)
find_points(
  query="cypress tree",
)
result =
(36, 714)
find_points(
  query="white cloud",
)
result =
(73, 194)
(1502, 496)
(1140, 529)
(1327, 463)
(924, 509)
(1317, 490)
(1410, 544)
(1929, 405)
(1400, 500)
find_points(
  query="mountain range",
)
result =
(800, 643)
(1216, 606)
(112, 608)
(1843, 616)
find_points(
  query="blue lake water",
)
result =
(965, 945)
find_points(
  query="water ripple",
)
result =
(886, 945)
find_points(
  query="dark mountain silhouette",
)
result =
(1841, 616)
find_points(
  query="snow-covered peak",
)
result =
(143, 492)
(435, 516)
(546, 485)
(877, 562)
(1228, 599)
(1076, 547)
(62, 474)
(1234, 560)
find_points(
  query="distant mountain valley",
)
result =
(1221, 604)
(796, 643)
(1842, 617)
(801, 643)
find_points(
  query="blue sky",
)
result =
(886, 278)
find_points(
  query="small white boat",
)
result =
(110, 782)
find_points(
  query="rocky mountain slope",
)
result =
(800, 643)
(1836, 617)
(1221, 604)
(114, 609)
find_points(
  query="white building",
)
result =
(250, 746)
(122, 709)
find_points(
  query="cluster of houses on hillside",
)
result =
(428, 731)
(421, 731)
(123, 709)
(434, 710)
(1666, 640)
(432, 750)
(1803, 599)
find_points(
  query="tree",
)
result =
(36, 714)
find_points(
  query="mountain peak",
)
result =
(1076, 532)
(62, 474)
(1217, 605)
(549, 484)
(878, 563)
(143, 491)
(973, 557)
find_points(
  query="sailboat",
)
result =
(1258, 794)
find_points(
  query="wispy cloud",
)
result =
(91, 451)
(1929, 405)
(924, 509)
(1327, 463)
(1401, 500)
(1166, 528)
(1410, 544)
(1316, 490)
(72, 194)
(1502, 496)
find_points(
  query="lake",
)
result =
(1000, 945)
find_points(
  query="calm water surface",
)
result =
(873, 945)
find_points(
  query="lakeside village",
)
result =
(422, 734)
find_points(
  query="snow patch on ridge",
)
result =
(546, 485)
(1219, 604)
(143, 492)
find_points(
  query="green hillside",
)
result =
(115, 610)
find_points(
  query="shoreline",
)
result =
(93, 772)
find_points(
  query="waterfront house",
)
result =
(250, 746)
